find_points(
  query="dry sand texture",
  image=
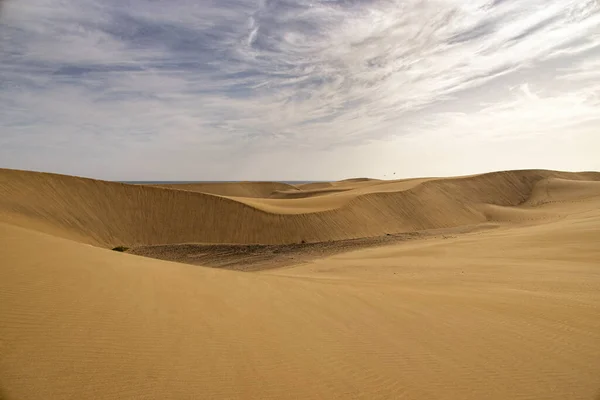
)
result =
(495, 296)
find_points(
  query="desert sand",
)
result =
(478, 287)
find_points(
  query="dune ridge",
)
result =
(109, 214)
(235, 189)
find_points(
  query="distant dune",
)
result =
(236, 189)
(303, 193)
(110, 214)
(367, 289)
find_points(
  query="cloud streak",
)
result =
(234, 75)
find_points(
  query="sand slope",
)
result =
(109, 214)
(510, 313)
(236, 189)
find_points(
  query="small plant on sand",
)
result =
(121, 248)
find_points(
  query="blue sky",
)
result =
(329, 89)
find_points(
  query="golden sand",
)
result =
(498, 297)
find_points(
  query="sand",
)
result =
(459, 288)
(237, 189)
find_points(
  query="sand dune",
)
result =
(236, 189)
(299, 194)
(314, 185)
(109, 214)
(556, 190)
(461, 313)
(355, 180)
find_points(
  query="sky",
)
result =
(298, 90)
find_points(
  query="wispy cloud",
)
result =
(586, 70)
(221, 76)
(525, 114)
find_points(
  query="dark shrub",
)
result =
(121, 248)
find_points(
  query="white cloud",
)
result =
(587, 70)
(525, 115)
(234, 75)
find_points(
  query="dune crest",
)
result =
(235, 189)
